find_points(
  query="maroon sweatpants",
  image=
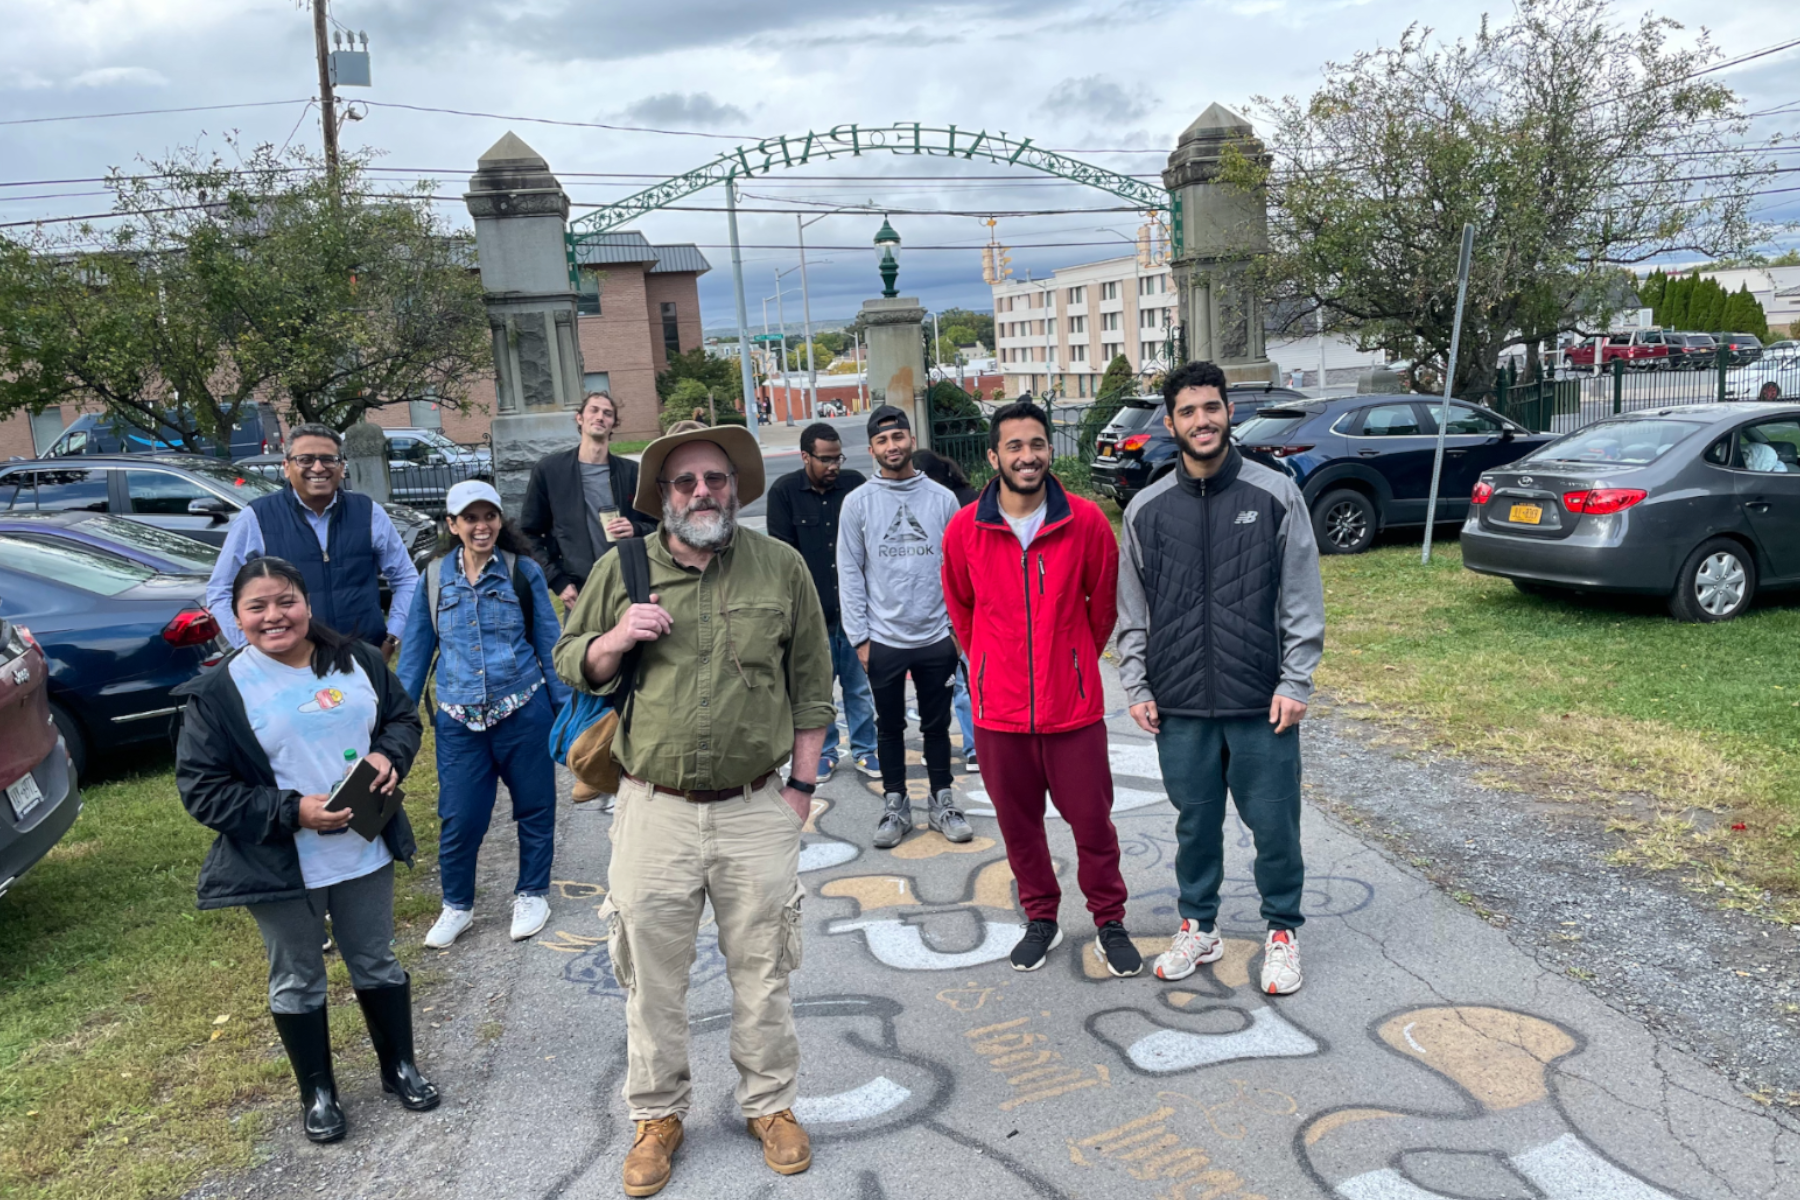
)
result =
(1017, 769)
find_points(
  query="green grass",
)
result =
(118, 1077)
(636, 447)
(1603, 700)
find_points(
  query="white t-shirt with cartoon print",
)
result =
(305, 724)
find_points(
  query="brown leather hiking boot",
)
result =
(652, 1155)
(786, 1148)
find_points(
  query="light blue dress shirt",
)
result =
(244, 541)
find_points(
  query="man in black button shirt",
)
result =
(803, 512)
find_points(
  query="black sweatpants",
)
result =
(933, 670)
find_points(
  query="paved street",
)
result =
(1427, 1056)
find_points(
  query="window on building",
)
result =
(1149, 350)
(596, 381)
(46, 427)
(1077, 324)
(1078, 295)
(1112, 320)
(671, 328)
(1150, 318)
(1049, 353)
(1078, 352)
(587, 297)
(426, 413)
(1111, 350)
(1109, 291)
(1050, 326)
(1151, 285)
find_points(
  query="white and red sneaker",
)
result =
(1281, 963)
(1190, 947)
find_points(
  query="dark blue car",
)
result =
(118, 635)
(1364, 462)
(159, 549)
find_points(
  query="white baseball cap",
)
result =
(468, 492)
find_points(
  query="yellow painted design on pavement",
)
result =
(872, 891)
(1495, 1055)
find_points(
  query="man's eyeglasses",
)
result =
(716, 481)
(316, 460)
(826, 460)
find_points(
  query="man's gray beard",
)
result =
(685, 528)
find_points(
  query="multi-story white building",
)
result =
(1058, 334)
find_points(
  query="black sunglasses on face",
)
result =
(716, 481)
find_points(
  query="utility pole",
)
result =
(812, 372)
(743, 320)
(327, 103)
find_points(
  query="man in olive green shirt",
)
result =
(733, 677)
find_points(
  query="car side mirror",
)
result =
(209, 506)
(1507, 433)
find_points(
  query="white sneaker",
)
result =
(450, 924)
(1281, 963)
(1190, 947)
(529, 916)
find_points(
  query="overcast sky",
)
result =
(1098, 76)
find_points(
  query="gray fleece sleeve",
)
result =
(1300, 610)
(852, 562)
(1134, 617)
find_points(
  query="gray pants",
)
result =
(362, 921)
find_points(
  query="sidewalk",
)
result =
(1428, 1056)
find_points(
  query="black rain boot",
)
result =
(389, 1014)
(307, 1038)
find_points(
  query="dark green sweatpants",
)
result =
(1204, 758)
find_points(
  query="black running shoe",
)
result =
(1040, 938)
(1113, 947)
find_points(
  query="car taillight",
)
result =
(1136, 441)
(1286, 451)
(29, 639)
(190, 627)
(1600, 501)
(1484, 491)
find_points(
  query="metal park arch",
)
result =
(903, 138)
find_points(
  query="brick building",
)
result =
(638, 303)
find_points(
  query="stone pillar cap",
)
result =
(1217, 123)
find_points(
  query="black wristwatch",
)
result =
(808, 788)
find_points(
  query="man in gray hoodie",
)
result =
(891, 595)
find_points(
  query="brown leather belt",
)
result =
(708, 796)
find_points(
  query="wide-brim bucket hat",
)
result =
(737, 443)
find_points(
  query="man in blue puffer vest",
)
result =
(342, 542)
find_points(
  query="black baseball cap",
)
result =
(888, 417)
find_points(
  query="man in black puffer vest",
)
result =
(1221, 623)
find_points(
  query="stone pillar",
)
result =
(520, 213)
(366, 460)
(1222, 229)
(897, 359)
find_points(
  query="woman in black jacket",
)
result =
(264, 737)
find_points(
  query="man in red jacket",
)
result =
(1031, 576)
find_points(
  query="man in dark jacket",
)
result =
(1030, 577)
(1221, 623)
(342, 541)
(579, 501)
(803, 512)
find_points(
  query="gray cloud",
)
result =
(1094, 98)
(695, 110)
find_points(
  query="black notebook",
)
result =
(370, 811)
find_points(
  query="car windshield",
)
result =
(1269, 425)
(1129, 419)
(185, 552)
(1633, 442)
(98, 571)
(242, 485)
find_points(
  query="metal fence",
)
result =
(962, 434)
(1577, 397)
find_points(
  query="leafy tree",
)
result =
(1650, 294)
(1571, 141)
(1678, 303)
(979, 326)
(1743, 314)
(217, 287)
(1117, 380)
(719, 374)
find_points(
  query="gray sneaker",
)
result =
(948, 819)
(896, 821)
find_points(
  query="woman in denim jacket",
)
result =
(492, 631)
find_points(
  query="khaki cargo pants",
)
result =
(669, 857)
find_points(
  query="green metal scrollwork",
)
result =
(906, 137)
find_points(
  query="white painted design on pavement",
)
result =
(902, 946)
(873, 1098)
(1407, 1034)
(1136, 759)
(816, 856)
(1268, 1036)
(1124, 798)
(1567, 1169)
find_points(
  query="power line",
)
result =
(154, 112)
(459, 112)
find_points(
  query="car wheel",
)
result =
(72, 737)
(1716, 583)
(1344, 522)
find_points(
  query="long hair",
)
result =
(940, 470)
(331, 649)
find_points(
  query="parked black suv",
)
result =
(1743, 347)
(1136, 448)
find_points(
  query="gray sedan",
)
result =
(1699, 503)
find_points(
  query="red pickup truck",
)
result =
(1644, 350)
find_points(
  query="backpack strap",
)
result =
(434, 587)
(634, 569)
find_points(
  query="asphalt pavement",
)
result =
(1428, 1056)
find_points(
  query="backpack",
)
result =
(582, 737)
(434, 587)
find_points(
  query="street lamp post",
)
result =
(887, 250)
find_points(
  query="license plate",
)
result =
(1526, 514)
(25, 796)
(1106, 449)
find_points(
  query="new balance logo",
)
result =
(1247, 517)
